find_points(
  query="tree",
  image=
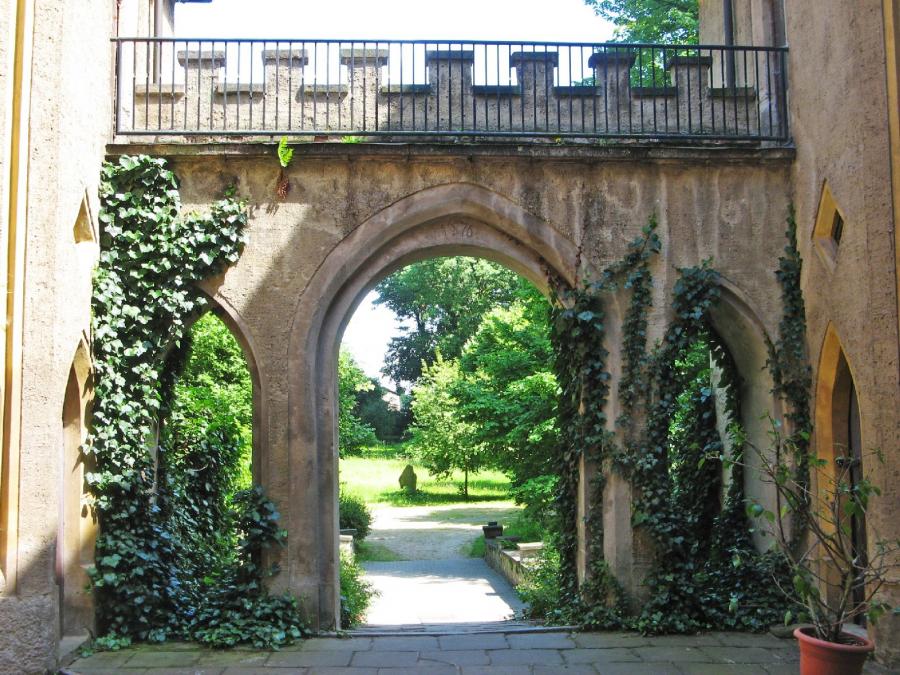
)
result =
(353, 433)
(444, 299)
(660, 21)
(444, 441)
(387, 421)
(213, 396)
(507, 392)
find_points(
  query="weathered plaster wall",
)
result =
(839, 119)
(68, 125)
(728, 205)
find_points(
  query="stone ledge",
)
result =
(612, 150)
(163, 90)
(359, 58)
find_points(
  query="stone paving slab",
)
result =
(423, 592)
(468, 654)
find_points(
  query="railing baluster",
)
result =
(619, 74)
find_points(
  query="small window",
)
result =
(837, 228)
(829, 229)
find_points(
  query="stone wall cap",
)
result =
(602, 60)
(496, 90)
(204, 56)
(223, 88)
(296, 57)
(688, 60)
(169, 90)
(578, 90)
(522, 57)
(449, 55)
(363, 57)
(406, 89)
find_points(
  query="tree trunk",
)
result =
(466, 483)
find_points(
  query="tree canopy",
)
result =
(661, 21)
(443, 300)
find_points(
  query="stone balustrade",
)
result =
(598, 91)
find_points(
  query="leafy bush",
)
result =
(353, 433)
(538, 495)
(356, 593)
(354, 514)
(541, 587)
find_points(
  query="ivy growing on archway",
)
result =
(707, 572)
(146, 581)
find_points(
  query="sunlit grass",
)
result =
(374, 477)
(371, 551)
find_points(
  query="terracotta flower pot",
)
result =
(818, 657)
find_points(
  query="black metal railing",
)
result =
(210, 87)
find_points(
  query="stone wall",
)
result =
(840, 126)
(354, 213)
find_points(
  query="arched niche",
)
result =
(449, 220)
(838, 435)
(228, 314)
(77, 525)
(746, 339)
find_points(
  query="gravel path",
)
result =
(434, 532)
(437, 583)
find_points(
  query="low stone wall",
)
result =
(510, 562)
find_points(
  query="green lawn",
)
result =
(374, 475)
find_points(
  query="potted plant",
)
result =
(834, 578)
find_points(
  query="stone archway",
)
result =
(455, 219)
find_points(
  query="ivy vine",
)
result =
(578, 335)
(707, 572)
(176, 555)
(789, 365)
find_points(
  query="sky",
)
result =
(371, 328)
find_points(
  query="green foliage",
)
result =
(653, 21)
(578, 339)
(354, 514)
(828, 596)
(285, 153)
(356, 592)
(707, 572)
(176, 554)
(506, 389)
(538, 495)
(789, 364)
(541, 589)
(354, 434)
(444, 441)
(444, 300)
(386, 421)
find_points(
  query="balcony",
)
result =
(400, 90)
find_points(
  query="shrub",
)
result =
(354, 514)
(538, 495)
(541, 588)
(356, 593)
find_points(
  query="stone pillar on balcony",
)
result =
(450, 77)
(201, 76)
(535, 72)
(612, 70)
(364, 66)
(284, 77)
(690, 75)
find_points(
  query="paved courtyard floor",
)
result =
(460, 590)
(497, 653)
